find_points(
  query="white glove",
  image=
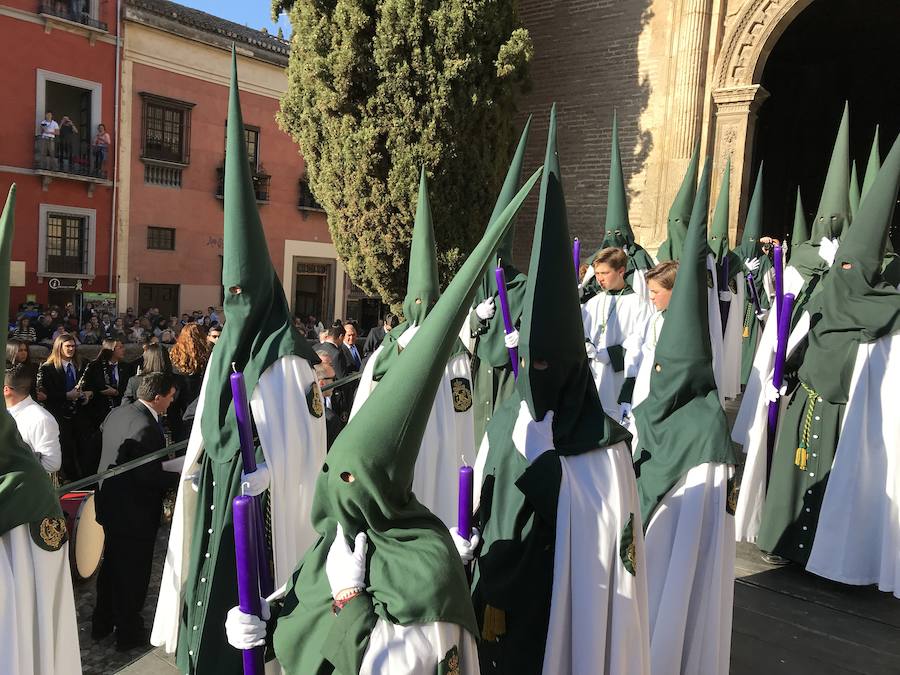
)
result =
(591, 350)
(828, 249)
(601, 355)
(771, 393)
(761, 314)
(624, 411)
(532, 439)
(257, 482)
(195, 481)
(752, 264)
(588, 275)
(511, 340)
(465, 547)
(246, 631)
(343, 567)
(485, 309)
(725, 296)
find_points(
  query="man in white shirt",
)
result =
(49, 132)
(37, 427)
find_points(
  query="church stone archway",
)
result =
(738, 92)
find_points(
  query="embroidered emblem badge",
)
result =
(731, 502)
(314, 400)
(462, 394)
(626, 547)
(50, 534)
(449, 665)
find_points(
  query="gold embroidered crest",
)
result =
(462, 394)
(314, 400)
(449, 665)
(709, 278)
(49, 534)
(626, 548)
(731, 503)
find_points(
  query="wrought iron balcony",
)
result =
(306, 200)
(62, 9)
(75, 158)
(261, 182)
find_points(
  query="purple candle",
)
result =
(779, 281)
(247, 573)
(242, 414)
(464, 515)
(576, 255)
(784, 326)
(507, 321)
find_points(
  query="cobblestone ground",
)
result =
(100, 657)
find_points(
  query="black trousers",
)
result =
(122, 584)
(68, 442)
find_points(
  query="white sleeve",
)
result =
(45, 443)
(633, 347)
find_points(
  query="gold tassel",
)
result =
(494, 623)
(746, 331)
(800, 458)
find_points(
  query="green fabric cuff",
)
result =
(627, 391)
(477, 326)
(348, 639)
(616, 357)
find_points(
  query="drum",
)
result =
(85, 533)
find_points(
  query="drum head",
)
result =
(86, 540)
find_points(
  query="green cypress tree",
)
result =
(379, 88)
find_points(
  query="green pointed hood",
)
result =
(552, 331)
(753, 225)
(680, 213)
(409, 578)
(800, 233)
(833, 214)
(258, 328)
(26, 495)
(853, 193)
(422, 286)
(504, 252)
(718, 234)
(872, 167)
(681, 423)
(617, 230)
(855, 305)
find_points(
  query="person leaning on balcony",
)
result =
(67, 133)
(49, 132)
(101, 148)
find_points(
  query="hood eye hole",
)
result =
(235, 290)
(846, 266)
(418, 301)
(540, 364)
(325, 468)
(347, 477)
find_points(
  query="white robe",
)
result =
(293, 444)
(610, 320)
(858, 536)
(449, 435)
(38, 626)
(732, 339)
(415, 649)
(598, 610)
(715, 323)
(690, 575)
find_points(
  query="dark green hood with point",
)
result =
(422, 286)
(718, 232)
(680, 213)
(800, 233)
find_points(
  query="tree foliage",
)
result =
(378, 88)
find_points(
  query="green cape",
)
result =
(681, 423)
(680, 213)
(26, 495)
(411, 576)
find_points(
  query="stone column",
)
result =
(736, 109)
(686, 98)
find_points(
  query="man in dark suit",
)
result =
(129, 507)
(333, 422)
(340, 357)
(376, 335)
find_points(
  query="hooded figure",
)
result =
(684, 461)
(680, 213)
(808, 265)
(834, 470)
(198, 585)
(891, 266)
(853, 193)
(408, 611)
(449, 434)
(38, 627)
(756, 261)
(617, 232)
(731, 292)
(800, 233)
(558, 503)
(491, 370)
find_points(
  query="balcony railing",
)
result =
(63, 9)
(261, 181)
(306, 199)
(54, 154)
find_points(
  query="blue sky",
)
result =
(253, 13)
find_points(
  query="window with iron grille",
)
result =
(166, 129)
(66, 244)
(251, 139)
(161, 238)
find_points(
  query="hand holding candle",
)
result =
(508, 327)
(784, 326)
